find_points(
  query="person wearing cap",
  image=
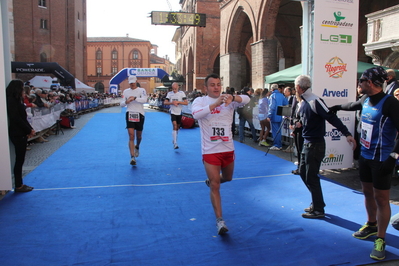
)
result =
(378, 155)
(175, 99)
(134, 99)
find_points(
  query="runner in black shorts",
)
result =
(175, 99)
(379, 153)
(134, 98)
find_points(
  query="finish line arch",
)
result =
(138, 72)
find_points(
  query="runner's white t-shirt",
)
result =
(215, 125)
(178, 96)
(138, 104)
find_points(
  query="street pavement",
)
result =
(41, 151)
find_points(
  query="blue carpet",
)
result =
(90, 207)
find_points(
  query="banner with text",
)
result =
(334, 70)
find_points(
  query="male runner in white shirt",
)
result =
(134, 98)
(175, 99)
(214, 113)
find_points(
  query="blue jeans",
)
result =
(276, 132)
(311, 156)
(242, 128)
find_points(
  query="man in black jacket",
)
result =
(313, 113)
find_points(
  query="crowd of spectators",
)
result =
(67, 101)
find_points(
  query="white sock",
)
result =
(174, 135)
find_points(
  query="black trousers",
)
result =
(20, 151)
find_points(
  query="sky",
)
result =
(116, 18)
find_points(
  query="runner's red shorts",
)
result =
(223, 158)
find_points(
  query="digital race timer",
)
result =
(178, 18)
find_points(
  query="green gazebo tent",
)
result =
(288, 75)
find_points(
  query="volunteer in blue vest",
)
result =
(175, 99)
(379, 152)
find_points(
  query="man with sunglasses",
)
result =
(379, 152)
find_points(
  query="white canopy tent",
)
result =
(43, 82)
(80, 86)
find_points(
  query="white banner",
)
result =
(334, 70)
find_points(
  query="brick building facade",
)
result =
(199, 48)
(50, 31)
(106, 56)
(257, 38)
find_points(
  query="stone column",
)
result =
(232, 70)
(264, 61)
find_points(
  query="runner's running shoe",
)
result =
(136, 151)
(365, 231)
(378, 252)
(221, 227)
(133, 161)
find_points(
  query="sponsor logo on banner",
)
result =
(332, 157)
(335, 67)
(142, 72)
(332, 93)
(336, 38)
(335, 134)
(337, 22)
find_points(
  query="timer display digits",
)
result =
(178, 18)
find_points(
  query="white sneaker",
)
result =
(136, 152)
(274, 148)
(221, 227)
(175, 146)
(133, 161)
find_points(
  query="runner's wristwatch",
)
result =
(394, 155)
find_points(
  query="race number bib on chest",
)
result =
(365, 136)
(134, 117)
(218, 131)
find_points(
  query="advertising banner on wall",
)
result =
(334, 70)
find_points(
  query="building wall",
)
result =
(124, 50)
(60, 41)
(200, 45)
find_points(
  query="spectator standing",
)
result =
(296, 128)
(246, 115)
(264, 122)
(313, 115)
(134, 98)
(378, 155)
(392, 83)
(175, 99)
(276, 99)
(19, 130)
(214, 113)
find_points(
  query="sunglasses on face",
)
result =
(362, 80)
